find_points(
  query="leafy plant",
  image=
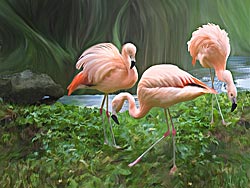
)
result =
(62, 146)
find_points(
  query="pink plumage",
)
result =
(210, 45)
(106, 70)
(161, 86)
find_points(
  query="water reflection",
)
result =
(239, 66)
(91, 101)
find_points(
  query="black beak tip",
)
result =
(132, 64)
(114, 117)
(234, 106)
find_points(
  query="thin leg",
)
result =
(212, 79)
(174, 168)
(103, 123)
(223, 121)
(212, 121)
(168, 131)
(212, 114)
(103, 100)
(111, 130)
(139, 158)
(164, 136)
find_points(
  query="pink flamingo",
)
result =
(106, 70)
(161, 86)
(210, 45)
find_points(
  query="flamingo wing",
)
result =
(210, 45)
(166, 85)
(103, 65)
(98, 54)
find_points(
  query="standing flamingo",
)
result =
(210, 45)
(161, 86)
(106, 70)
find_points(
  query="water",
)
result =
(239, 66)
(92, 101)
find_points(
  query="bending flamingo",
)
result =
(106, 70)
(210, 45)
(161, 86)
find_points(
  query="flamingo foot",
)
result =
(117, 147)
(223, 122)
(105, 142)
(135, 162)
(212, 121)
(173, 170)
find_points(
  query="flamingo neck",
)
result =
(225, 76)
(125, 56)
(133, 110)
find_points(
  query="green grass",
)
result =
(62, 146)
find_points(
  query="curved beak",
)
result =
(114, 117)
(132, 63)
(234, 104)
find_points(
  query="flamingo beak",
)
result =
(132, 63)
(114, 117)
(234, 104)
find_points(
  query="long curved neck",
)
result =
(125, 55)
(133, 110)
(225, 76)
(131, 78)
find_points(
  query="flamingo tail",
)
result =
(78, 80)
(193, 61)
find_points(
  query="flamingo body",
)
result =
(161, 86)
(210, 45)
(106, 70)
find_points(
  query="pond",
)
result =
(239, 66)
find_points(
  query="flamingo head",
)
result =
(117, 104)
(115, 109)
(232, 94)
(130, 50)
(231, 89)
(114, 117)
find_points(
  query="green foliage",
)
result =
(62, 146)
(48, 36)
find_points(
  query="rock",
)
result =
(29, 88)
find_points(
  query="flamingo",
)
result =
(162, 86)
(106, 70)
(210, 45)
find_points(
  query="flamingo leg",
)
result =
(111, 130)
(164, 136)
(174, 168)
(139, 158)
(223, 121)
(103, 123)
(212, 79)
(168, 131)
(212, 121)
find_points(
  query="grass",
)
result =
(62, 146)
